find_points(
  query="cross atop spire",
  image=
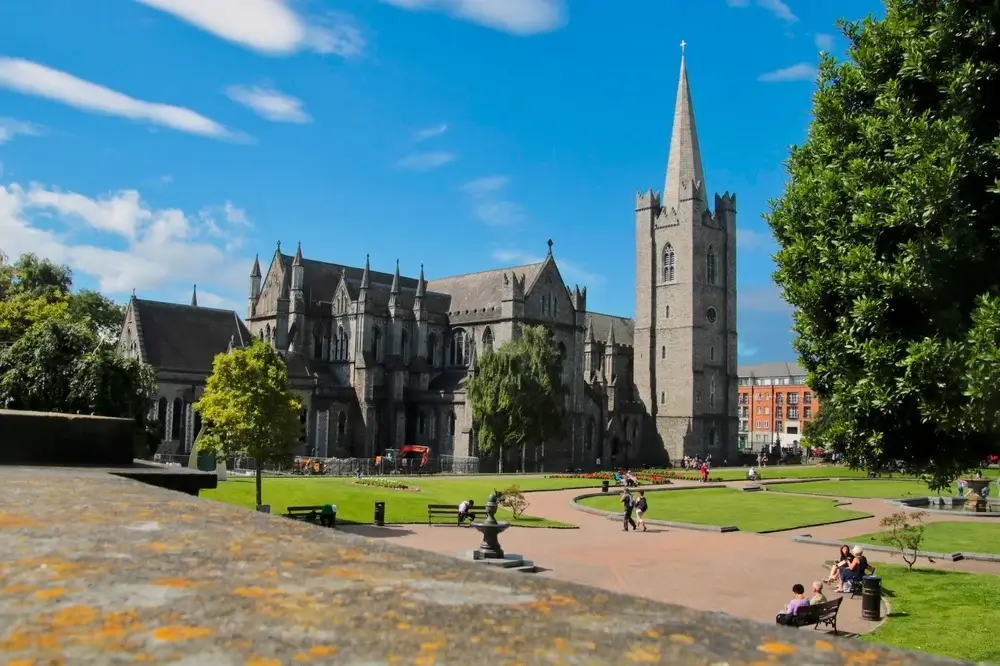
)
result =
(683, 44)
(684, 168)
(194, 296)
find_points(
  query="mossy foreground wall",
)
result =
(43, 438)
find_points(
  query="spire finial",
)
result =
(550, 247)
(133, 292)
(421, 284)
(683, 44)
(279, 246)
(194, 296)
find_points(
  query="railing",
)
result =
(342, 466)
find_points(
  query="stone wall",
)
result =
(43, 438)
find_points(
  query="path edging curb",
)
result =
(954, 557)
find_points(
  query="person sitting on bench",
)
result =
(798, 601)
(326, 515)
(465, 511)
(752, 474)
(856, 569)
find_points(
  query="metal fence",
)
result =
(342, 466)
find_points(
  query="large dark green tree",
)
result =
(889, 237)
(517, 395)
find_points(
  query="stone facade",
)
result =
(381, 359)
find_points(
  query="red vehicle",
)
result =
(414, 452)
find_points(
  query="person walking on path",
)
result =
(640, 509)
(628, 505)
(704, 472)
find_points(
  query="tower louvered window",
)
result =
(711, 266)
(668, 263)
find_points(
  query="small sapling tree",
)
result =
(906, 531)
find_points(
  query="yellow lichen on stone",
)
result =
(180, 633)
(172, 582)
(683, 639)
(254, 592)
(13, 521)
(50, 593)
(772, 647)
(74, 616)
(402, 626)
(263, 661)
(17, 589)
(824, 645)
(21, 662)
(643, 654)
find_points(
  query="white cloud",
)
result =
(742, 349)
(776, 7)
(762, 298)
(571, 272)
(486, 185)
(269, 103)
(800, 72)
(824, 42)
(271, 27)
(31, 78)
(748, 239)
(11, 127)
(518, 17)
(430, 132)
(425, 161)
(119, 241)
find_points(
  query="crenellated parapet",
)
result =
(648, 200)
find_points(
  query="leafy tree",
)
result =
(512, 498)
(105, 316)
(887, 234)
(249, 408)
(61, 366)
(517, 394)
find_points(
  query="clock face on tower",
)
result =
(711, 315)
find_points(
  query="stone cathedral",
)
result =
(381, 359)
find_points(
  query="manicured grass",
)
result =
(949, 537)
(944, 612)
(355, 503)
(751, 512)
(860, 489)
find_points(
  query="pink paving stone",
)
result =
(743, 574)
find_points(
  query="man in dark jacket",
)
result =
(628, 505)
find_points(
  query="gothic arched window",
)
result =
(175, 422)
(421, 422)
(711, 393)
(488, 340)
(711, 266)
(342, 423)
(458, 348)
(376, 343)
(432, 344)
(451, 424)
(588, 438)
(161, 416)
(669, 273)
(318, 342)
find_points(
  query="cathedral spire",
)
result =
(255, 272)
(684, 169)
(194, 297)
(395, 280)
(611, 336)
(297, 261)
(421, 284)
(366, 277)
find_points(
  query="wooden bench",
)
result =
(825, 613)
(307, 513)
(449, 510)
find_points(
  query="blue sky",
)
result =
(152, 144)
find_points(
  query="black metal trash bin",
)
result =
(380, 514)
(604, 486)
(871, 598)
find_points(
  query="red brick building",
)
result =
(774, 405)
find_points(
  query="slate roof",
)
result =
(774, 369)
(186, 338)
(480, 290)
(601, 325)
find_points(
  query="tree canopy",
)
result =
(888, 234)
(249, 408)
(517, 395)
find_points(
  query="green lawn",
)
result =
(751, 512)
(949, 537)
(355, 503)
(944, 612)
(860, 489)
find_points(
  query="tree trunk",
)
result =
(499, 460)
(257, 474)
(524, 457)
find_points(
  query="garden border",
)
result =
(954, 557)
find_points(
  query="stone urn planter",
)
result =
(974, 500)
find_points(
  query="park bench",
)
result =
(449, 510)
(825, 613)
(307, 513)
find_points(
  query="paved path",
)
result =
(744, 574)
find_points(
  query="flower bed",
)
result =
(388, 484)
(644, 478)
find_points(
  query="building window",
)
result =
(555, 306)
(793, 398)
(777, 426)
(588, 439)
(779, 398)
(663, 397)
(711, 354)
(432, 344)
(711, 266)
(175, 422)
(663, 351)
(711, 315)
(697, 397)
(421, 423)
(666, 311)
(451, 424)
(342, 423)
(161, 416)
(807, 412)
(404, 345)
(711, 393)
(807, 398)
(668, 263)
(793, 412)
(457, 349)
(376, 343)
(488, 340)
(778, 411)
(318, 342)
